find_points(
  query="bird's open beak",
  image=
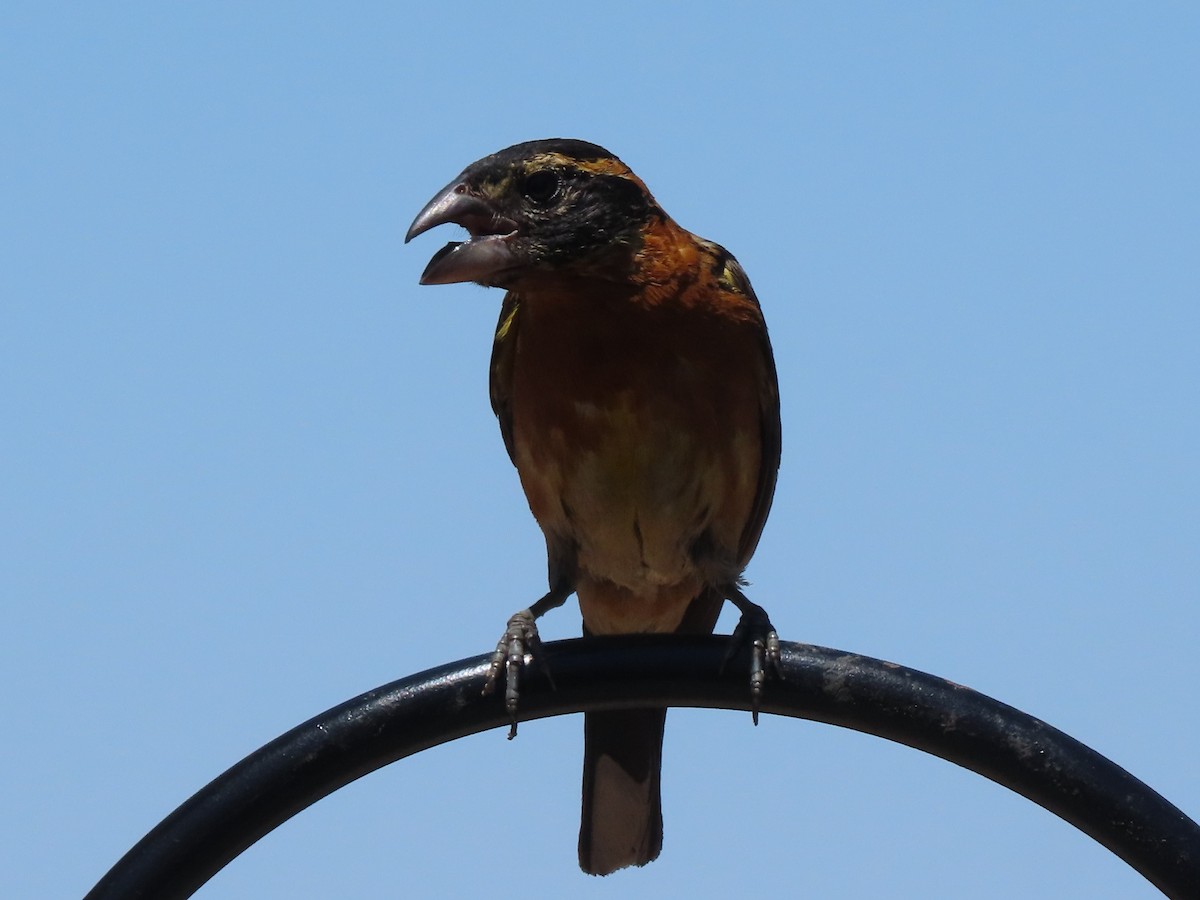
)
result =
(482, 258)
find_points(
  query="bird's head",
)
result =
(554, 205)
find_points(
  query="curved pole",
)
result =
(869, 695)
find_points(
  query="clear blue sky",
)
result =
(250, 470)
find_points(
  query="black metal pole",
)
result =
(869, 695)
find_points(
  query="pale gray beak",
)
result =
(485, 255)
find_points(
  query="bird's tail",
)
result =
(622, 770)
(622, 804)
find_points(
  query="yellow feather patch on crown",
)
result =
(605, 166)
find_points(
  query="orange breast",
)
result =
(636, 431)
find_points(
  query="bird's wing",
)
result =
(504, 349)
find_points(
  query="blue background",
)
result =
(250, 470)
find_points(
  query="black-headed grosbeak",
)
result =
(636, 392)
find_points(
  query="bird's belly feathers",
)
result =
(653, 493)
(637, 494)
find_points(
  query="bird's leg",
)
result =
(754, 628)
(517, 646)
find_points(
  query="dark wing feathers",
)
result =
(500, 378)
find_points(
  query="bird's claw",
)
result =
(755, 629)
(514, 651)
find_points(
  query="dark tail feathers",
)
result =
(622, 804)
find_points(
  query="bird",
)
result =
(636, 392)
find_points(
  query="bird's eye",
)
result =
(540, 186)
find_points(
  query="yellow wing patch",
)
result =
(732, 278)
(506, 323)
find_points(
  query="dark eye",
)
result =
(540, 186)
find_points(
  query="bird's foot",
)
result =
(754, 629)
(516, 648)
